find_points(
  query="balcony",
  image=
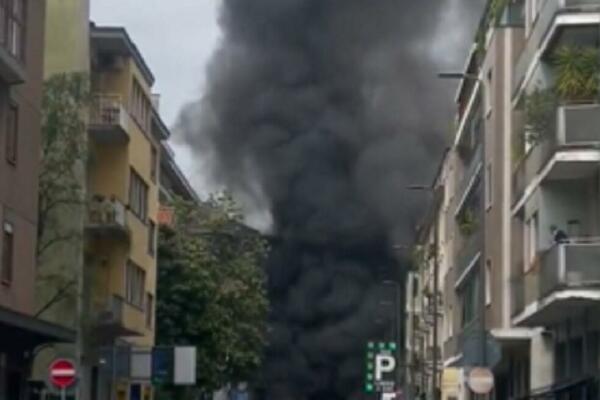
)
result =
(467, 254)
(109, 119)
(107, 217)
(570, 150)
(116, 317)
(566, 285)
(469, 177)
(450, 348)
(554, 20)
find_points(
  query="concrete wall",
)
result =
(67, 36)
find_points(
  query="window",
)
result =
(138, 196)
(531, 241)
(135, 283)
(149, 310)
(489, 188)
(13, 15)
(151, 238)
(12, 133)
(141, 107)
(488, 282)
(7, 253)
(153, 164)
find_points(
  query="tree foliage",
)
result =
(211, 290)
(577, 73)
(63, 153)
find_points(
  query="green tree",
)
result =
(63, 154)
(211, 290)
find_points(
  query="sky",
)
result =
(176, 42)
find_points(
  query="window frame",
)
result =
(153, 164)
(7, 253)
(135, 285)
(138, 195)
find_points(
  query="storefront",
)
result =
(20, 336)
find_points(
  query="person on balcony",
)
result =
(559, 235)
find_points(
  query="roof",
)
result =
(161, 128)
(181, 185)
(116, 40)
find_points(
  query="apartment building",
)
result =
(555, 188)
(116, 260)
(21, 76)
(523, 219)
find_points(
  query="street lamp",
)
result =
(432, 189)
(397, 329)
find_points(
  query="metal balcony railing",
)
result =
(543, 22)
(570, 265)
(108, 111)
(104, 212)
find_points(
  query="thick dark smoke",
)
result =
(321, 112)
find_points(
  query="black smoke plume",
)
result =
(319, 114)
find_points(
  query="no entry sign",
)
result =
(62, 373)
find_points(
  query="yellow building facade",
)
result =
(122, 181)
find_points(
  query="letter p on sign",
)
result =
(383, 363)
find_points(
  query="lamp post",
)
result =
(482, 269)
(397, 321)
(436, 294)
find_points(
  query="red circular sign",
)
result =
(62, 373)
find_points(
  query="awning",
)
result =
(24, 331)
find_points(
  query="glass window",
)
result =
(138, 196)
(135, 283)
(7, 253)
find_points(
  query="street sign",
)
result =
(481, 380)
(381, 363)
(62, 373)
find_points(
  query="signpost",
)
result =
(381, 363)
(481, 380)
(62, 375)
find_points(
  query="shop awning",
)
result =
(24, 331)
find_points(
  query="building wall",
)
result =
(110, 174)
(19, 182)
(67, 38)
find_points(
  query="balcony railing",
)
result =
(539, 31)
(570, 265)
(119, 318)
(575, 127)
(104, 212)
(108, 113)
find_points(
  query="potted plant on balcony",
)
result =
(540, 106)
(467, 224)
(577, 71)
